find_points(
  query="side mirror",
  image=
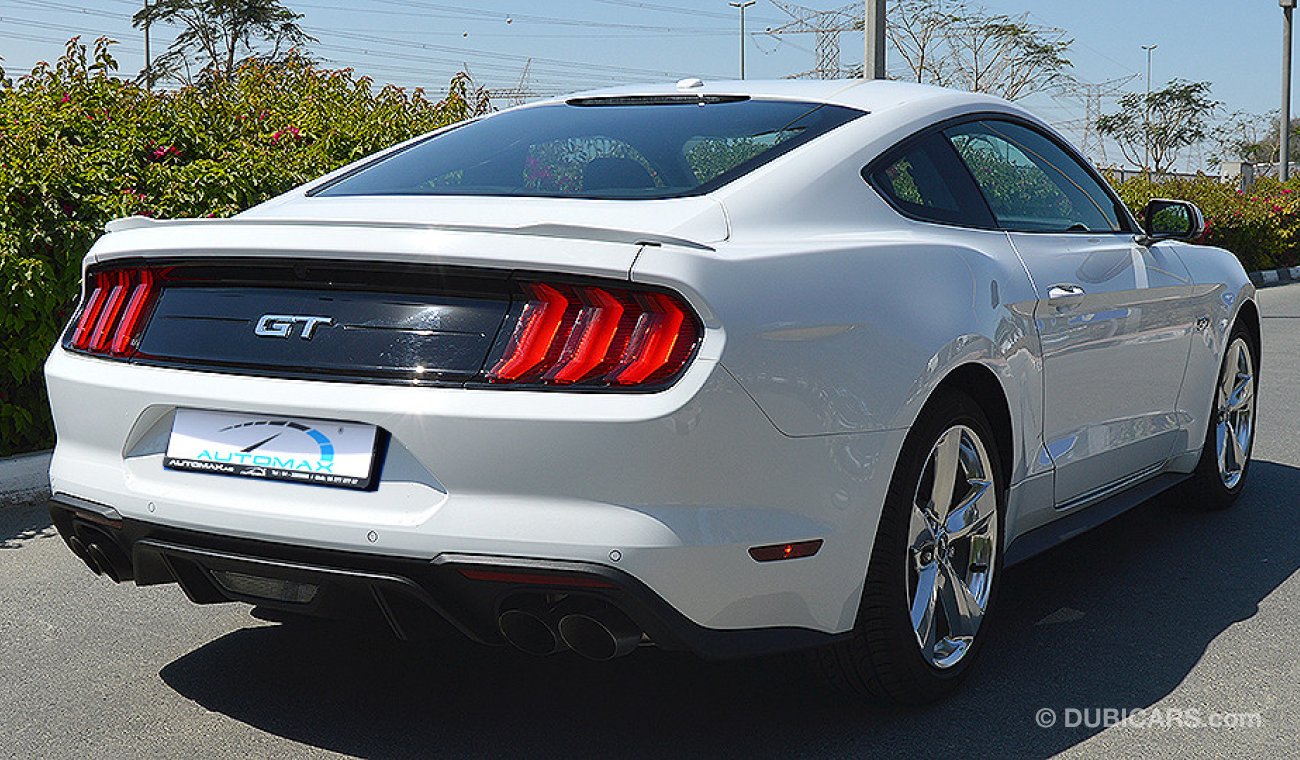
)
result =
(1172, 220)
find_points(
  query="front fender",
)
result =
(1221, 290)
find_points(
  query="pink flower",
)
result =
(1277, 209)
(1286, 191)
(66, 98)
(275, 137)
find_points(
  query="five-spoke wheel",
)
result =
(1221, 473)
(937, 551)
(1234, 414)
(952, 546)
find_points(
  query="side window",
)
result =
(1030, 183)
(925, 181)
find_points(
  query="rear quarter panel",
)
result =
(851, 334)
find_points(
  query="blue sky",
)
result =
(1235, 44)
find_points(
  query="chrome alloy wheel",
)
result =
(1234, 412)
(952, 542)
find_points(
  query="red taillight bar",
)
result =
(141, 296)
(90, 312)
(119, 285)
(113, 316)
(596, 336)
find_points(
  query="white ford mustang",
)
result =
(732, 368)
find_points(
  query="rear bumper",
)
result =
(677, 485)
(415, 598)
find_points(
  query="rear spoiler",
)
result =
(569, 231)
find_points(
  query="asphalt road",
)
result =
(1175, 612)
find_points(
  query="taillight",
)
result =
(114, 312)
(588, 335)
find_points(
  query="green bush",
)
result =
(1261, 226)
(79, 147)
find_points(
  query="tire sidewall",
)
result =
(887, 571)
(1216, 493)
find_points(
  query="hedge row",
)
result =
(79, 147)
(1261, 225)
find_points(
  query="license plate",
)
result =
(269, 447)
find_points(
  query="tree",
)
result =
(215, 32)
(1254, 138)
(1160, 124)
(965, 46)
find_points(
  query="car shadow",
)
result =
(1115, 618)
(24, 521)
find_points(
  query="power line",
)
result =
(565, 71)
(676, 10)
(521, 59)
(827, 27)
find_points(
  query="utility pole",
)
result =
(148, 64)
(1284, 138)
(1146, 112)
(873, 27)
(742, 6)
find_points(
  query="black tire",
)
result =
(883, 662)
(1207, 488)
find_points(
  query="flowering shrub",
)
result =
(79, 147)
(1261, 225)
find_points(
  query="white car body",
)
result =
(828, 320)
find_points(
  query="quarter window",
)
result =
(1032, 184)
(926, 181)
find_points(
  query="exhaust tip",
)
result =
(100, 560)
(528, 631)
(601, 634)
(80, 549)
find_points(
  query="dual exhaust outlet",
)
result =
(595, 630)
(103, 557)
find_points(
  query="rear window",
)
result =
(594, 148)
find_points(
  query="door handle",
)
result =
(1065, 292)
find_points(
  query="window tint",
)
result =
(925, 180)
(709, 156)
(575, 164)
(600, 148)
(1030, 183)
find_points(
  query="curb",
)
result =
(1279, 276)
(24, 477)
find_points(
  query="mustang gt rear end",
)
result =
(734, 369)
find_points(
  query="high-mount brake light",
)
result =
(113, 316)
(588, 335)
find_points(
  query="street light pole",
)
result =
(1146, 112)
(1284, 137)
(742, 6)
(148, 67)
(873, 26)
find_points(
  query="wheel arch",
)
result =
(1248, 316)
(983, 386)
